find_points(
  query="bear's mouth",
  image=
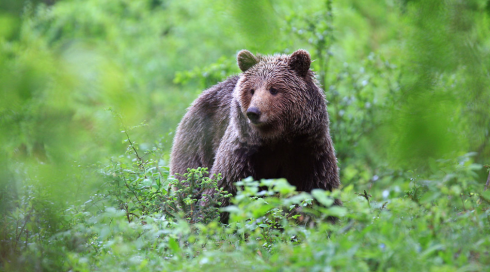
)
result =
(262, 127)
(256, 123)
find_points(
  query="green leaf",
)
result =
(283, 187)
(486, 195)
(174, 245)
(321, 196)
(336, 211)
(231, 209)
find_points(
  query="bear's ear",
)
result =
(246, 60)
(300, 62)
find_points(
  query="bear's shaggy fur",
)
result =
(270, 121)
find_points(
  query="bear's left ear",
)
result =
(246, 60)
(300, 62)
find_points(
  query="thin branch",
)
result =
(17, 238)
(132, 191)
(134, 149)
(127, 213)
(138, 157)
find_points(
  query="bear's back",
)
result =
(199, 133)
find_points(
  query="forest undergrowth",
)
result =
(92, 91)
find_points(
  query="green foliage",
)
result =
(190, 199)
(408, 95)
(447, 230)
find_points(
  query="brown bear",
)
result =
(269, 122)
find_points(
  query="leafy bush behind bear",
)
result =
(408, 95)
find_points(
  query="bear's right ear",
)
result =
(246, 60)
(300, 62)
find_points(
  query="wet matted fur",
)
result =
(270, 121)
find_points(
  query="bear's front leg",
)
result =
(232, 162)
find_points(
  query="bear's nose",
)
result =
(253, 114)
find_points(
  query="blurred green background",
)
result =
(407, 84)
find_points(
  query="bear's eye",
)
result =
(273, 91)
(252, 91)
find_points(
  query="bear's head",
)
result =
(277, 95)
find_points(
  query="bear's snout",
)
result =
(253, 113)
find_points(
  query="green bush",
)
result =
(408, 97)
